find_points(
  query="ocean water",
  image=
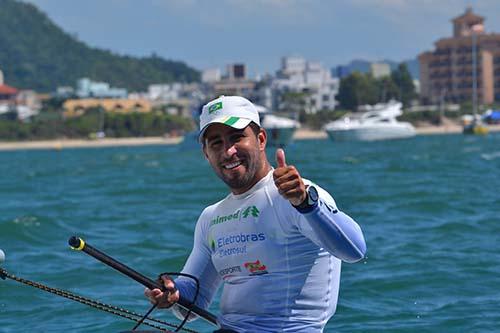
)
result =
(429, 208)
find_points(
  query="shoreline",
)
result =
(301, 134)
(307, 134)
(80, 143)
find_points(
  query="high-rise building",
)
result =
(234, 82)
(297, 75)
(236, 71)
(470, 56)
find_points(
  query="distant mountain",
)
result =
(37, 54)
(363, 66)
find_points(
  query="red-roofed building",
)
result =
(8, 97)
(25, 103)
(7, 92)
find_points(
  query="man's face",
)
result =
(235, 155)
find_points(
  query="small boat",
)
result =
(475, 128)
(379, 123)
(280, 130)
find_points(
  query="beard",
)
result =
(241, 181)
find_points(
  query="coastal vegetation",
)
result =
(36, 54)
(362, 88)
(317, 120)
(436, 117)
(52, 125)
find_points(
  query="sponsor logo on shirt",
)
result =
(228, 272)
(231, 245)
(255, 267)
(240, 238)
(250, 211)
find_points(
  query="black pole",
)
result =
(80, 245)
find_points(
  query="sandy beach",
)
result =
(305, 134)
(301, 134)
(449, 129)
(107, 142)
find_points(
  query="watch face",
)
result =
(312, 194)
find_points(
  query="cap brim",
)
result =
(234, 122)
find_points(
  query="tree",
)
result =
(295, 102)
(357, 89)
(403, 80)
(37, 54)
(387, 89)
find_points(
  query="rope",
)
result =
(92, 303)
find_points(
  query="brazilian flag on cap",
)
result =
(214, 107)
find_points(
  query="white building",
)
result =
(211, 75)
(293, 65)
(86, 88)
(24, 103)
(164, 92)
(65, 92)
(300, 76)
(175, 98)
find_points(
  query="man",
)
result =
(275, 242)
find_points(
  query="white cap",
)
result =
(234, 111)
(2, 256)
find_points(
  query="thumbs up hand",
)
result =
(288, 180)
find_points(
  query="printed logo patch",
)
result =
(231, 245)
(255, 268)
(227, 272)
(214, 107)
(250, 211)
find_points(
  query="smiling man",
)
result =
(275, 242)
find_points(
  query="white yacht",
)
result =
(279, 130)
(378, 123)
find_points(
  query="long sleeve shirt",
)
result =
(280, 268)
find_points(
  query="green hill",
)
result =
(37, 54)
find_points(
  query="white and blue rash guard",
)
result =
(280, 267)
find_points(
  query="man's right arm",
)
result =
(332, 229)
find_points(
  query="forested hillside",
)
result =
(37, 54)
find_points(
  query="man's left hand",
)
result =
(288, 180)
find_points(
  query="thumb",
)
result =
(280, 158)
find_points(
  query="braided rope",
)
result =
(92, 303)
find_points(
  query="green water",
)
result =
(429, 208)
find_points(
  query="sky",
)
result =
(213, 33)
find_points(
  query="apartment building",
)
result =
(470, 55)
(297, 75)
(234, 82)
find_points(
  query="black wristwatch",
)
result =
(310, 201)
